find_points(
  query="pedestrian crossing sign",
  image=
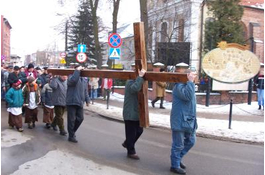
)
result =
(115, 53)
(62, 61)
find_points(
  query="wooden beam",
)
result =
(141, 63)
(124, 75)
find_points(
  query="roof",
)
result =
(253, 3)
(7, 23)
(125, 31)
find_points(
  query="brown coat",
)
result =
(161, 89)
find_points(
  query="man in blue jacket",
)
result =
(77, 94)
(183, 119)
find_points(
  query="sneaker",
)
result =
(20, 129)
(133, 156)
(162, 107)
(177, 170)
(11, 127)
(72, 139)
(259, 107)
(63, 132)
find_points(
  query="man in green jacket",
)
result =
(131, 114)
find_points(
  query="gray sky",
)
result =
(32, 21)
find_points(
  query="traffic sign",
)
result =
(62, 54)
(81, 57)
(62, 61)
(81, 48)
(115, 40)
(114, 53)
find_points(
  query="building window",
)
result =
(163, 32)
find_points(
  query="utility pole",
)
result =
(250, 84)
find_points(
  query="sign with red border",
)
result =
(115, 40)
(62, 54)
(81, 57)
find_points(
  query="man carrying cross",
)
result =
(131, 114)
(183, 119)
(77, 94)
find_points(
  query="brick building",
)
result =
(5, 39)
(253, 22)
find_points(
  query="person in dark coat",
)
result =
(59, 87)
(17, 75)
(77, 94)
(47, 101)
(183, 120)
(131, 115)
(43, 76)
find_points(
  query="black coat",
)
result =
(13, 78)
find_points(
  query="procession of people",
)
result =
(27, 91)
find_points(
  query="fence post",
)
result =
(230, 114)
(208, 90)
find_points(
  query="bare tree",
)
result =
(116, 5)
(98, 55)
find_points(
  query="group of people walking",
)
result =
(24, 91)
(58, 93)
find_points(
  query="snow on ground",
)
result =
(248, 131)
(239, 109)
(11, 137)
(62, 162)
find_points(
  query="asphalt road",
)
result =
(100, 140)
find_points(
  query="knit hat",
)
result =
(18, 82)
(30, 66)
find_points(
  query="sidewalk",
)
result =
(247, 122)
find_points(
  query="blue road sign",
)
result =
(114, 53)
(81, 48)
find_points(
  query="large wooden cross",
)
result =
(140, 63)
